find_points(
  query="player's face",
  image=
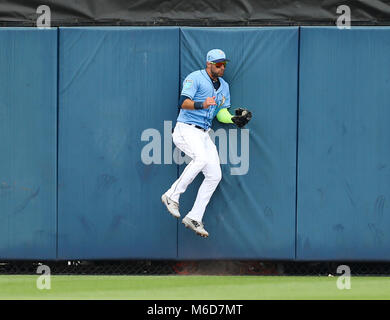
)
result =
(218, 69)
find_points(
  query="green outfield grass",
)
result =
(193, 287)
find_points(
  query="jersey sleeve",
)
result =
(224, 116)
(227, 98)
(190, 86)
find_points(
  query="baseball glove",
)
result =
(242, 117)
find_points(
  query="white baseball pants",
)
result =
(198, 145)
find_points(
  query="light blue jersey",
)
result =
(198, 86)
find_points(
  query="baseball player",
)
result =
(205, 94)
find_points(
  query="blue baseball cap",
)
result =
(216, 55)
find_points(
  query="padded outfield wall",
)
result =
(86, 117)
(344, 139)
(28, 143)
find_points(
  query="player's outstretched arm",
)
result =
(240, 119)
(224, 116)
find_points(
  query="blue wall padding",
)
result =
(344, 139)
(250, 216)
(28, 134)
(117, 96)
(114, 84)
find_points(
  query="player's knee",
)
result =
(201, 162)
(218, 175)
(215, 175)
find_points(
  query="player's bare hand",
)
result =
(209, 102)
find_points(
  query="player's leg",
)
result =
(192, 142)
(213, 175)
